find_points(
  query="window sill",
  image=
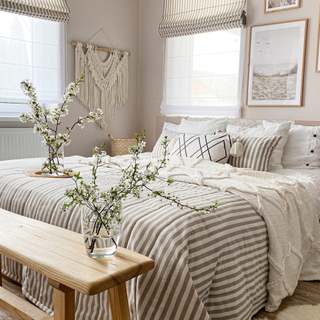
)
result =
(5, 119)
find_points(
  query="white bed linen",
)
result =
(309, 178)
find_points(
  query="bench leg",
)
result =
(119, 302)
(63, 298)
(0, 273)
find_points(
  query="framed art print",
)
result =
(318, 49)
(276, 64)
(280, 5)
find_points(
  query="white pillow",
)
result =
(211, 147)
(253, 122)
(274, 129)
(170, 126)
(203, 127)
(158, 149)
(302, 150)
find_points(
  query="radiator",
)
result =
(17, 143)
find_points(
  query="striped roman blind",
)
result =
(187, 17)
(54, 10)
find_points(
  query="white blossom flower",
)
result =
(24, 117)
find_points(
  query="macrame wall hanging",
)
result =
(106, 82)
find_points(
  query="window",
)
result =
(203, 74)
(32, 49)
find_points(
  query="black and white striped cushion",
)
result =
(257, 152)
(211, 147)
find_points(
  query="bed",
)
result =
(213, 266)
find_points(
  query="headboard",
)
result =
(177, 120)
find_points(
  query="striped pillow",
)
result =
(158, 149)
(211, 147)
(257, 152)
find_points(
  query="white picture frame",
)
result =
(276, 64)
(280, 5)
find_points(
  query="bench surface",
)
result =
(60, 255)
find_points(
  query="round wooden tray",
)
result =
(45, 174)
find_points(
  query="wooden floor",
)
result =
(306, 293)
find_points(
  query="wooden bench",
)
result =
(60, 255)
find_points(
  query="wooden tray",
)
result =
(45, 174)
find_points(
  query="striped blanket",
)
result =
(212, 266)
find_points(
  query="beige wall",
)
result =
(150, 71)
(311, 98)
(120, 20)
(151, 60)
(133, 25)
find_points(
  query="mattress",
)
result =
(212, 266)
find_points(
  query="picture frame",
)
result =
(280, 5)
(318, 47)
(276, 63)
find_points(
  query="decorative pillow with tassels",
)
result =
(211, 147)
(237, 149)
(256, 152)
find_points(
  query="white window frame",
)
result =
(209, 111)
(8, 115)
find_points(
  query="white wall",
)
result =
(151, 61)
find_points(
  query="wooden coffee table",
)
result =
(60, 255)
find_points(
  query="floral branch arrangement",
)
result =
(47, 122)
(105, 207)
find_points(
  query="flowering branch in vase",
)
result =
(47, 122)
(106, 207)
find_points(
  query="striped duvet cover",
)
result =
(210, 266)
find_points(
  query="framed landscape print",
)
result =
(276, 64)
(280, 5)
(318, 49)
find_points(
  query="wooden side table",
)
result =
(60, 255)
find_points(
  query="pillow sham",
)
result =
(241, 122)
(257, 152)
(253, 122)
(170, 126)
(211, 147)
(158, 149)
(203, 127)
(302, 150)
(268, 130)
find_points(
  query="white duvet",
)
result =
(284, 202)
(309, 178)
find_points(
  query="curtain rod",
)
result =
(84, 45)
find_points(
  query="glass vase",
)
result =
(52, 159)
(99, 241)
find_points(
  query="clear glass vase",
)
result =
(99, 241)
(52, 159)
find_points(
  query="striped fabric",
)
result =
(54, 10)
(158, 150)
(211, 147)
(182, 18)
(211, 266)
(257, 152)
